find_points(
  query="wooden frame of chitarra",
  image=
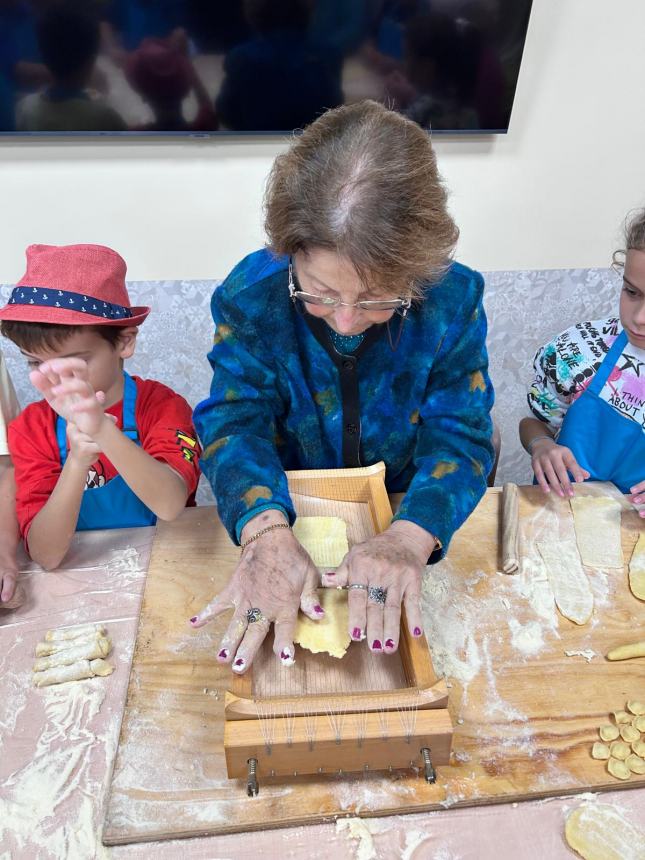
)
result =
(374, 736)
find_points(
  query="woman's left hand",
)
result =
(389, 566)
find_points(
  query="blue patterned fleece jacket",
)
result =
(283, 398)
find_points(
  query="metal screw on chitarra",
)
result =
(252, 787)
(430, 774)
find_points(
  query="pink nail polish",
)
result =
(389, 643)
(223, 654)
(356, 633)
(417, 631)
(319, 610)
(376, 645)
(193, 619)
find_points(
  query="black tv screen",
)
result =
(205, 67)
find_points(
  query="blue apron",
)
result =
(608, 445)
(114, 505)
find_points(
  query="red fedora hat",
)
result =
(73, 285)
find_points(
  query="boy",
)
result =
(103, 449)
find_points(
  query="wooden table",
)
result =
(37, 726)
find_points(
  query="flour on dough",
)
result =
(637, 568)
(74, 672)
(598, 831)
(324, 538)
(597, 524)
(55, 646)
(331, 634)
(85, 650)
(74, 632)
(571, 589)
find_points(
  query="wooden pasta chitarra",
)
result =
(364, 712)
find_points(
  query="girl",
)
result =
(588, 393)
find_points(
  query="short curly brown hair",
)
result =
(362, 181)
(634, 236)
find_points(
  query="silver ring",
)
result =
(253, 615)
(356, 585)
(377, 594)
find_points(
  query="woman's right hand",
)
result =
(552, 463)
(276, 576)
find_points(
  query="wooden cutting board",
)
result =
(525, 714)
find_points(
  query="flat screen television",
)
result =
(202, 67)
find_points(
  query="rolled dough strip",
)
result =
(74, 672)
(510, 529)
(598, 831)
(74, 632)
(324, 538)
(100, 647)
(637, 569)
(627, 652)
(597, 524)
(44, 649)
(571, 589)
(331, 633)
(19, 597)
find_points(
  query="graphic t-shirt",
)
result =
(165, 426)
(564, 368)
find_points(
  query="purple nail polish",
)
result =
(319, 610)
(376, 645)
(389, 643)
(284, 655)
(223, 654)
(417, 631)
(239, 662)
(356, 633)
(193, 619)
(330, 573)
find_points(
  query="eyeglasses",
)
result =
(329, 302)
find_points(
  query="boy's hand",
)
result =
(8, 577)
(637, 496)
(64, 383)
(552, 463)
(82, 448)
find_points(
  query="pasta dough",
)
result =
(636, 707)
(573, 595)
(331, 633)
(618, 769)
(608, 733)
(324, 538)
(600, 751)
(597, 525)
(74, 672)
(75, 632)
(637, 568)
(635, 763)
(44, 649)
(619, 750)
(598, 831)
(86, 650)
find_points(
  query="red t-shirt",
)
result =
(165, 426)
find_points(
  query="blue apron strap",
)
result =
(129, 407)
(608, 364)
(61, 438)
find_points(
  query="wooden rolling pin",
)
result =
(510, 529)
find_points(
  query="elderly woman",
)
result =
(351, 339)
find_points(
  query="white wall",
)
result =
(552, 193)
